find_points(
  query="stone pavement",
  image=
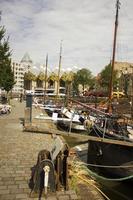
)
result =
(18, 153)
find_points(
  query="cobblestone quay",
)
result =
(18, 153)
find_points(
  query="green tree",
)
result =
(104, 78)
(83, 77)
(6, 73)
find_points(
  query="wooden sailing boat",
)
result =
(115, 159)
(59, 70)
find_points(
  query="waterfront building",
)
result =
(125, 76)
(18, 71)
(26, 62)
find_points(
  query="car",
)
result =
(118, 94)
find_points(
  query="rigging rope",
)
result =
(122, 137)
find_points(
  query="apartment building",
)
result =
(19, 70)
(26, 62)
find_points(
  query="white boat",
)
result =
(71, 121)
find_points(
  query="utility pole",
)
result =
(46, 71)
(113, 56)
(59, 69)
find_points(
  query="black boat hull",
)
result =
(104, 154)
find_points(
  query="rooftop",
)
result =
(26, 58)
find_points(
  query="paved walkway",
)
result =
(18, 153)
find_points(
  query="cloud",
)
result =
(86, 28)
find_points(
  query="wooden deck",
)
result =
(82, 137)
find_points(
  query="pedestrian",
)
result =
(21, 97)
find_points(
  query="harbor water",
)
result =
(117, 190)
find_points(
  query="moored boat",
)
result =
(71, 121)
(114, 160)
(112, 150)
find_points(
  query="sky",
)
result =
(85, 28)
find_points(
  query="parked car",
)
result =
(118, 94)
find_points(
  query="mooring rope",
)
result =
(106, 166)
(105, 178)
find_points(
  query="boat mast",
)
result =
(45, 83)
(0, 14)
(131, 92)
(59, 69)
(113, 56)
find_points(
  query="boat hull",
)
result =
(67, 126)
(104, 154)
(106, 159)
